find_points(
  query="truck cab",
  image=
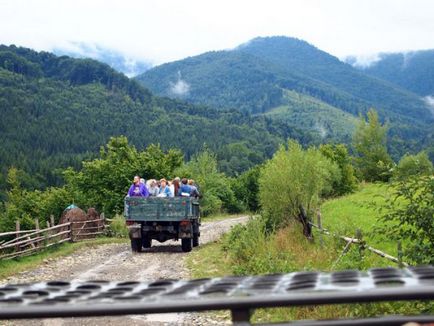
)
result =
(162, 219)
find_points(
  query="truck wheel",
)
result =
(186, 245)
(136, 245)
(147, 242)
(195, 239)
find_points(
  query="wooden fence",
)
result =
(26, 242)
(358, 240)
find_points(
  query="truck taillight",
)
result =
(129, 222)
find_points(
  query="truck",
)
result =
(162, 219)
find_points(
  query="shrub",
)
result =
(215, 189)
(118, 227)
(412, 165)
(292, 179)
(409, 216)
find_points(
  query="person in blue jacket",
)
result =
(164, 189)
(184, 189)
(138, 189)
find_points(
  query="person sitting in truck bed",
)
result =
(138, 189)
(153, 188)
(193, 192)
(164, 189)
(184, 189)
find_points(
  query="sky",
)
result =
(160, 31)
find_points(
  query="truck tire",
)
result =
(195, 239)
(147, 242)
(136, 245)
(186, 244)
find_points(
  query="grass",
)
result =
(17, 265)
(358, 211)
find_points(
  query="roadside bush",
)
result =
(409, 216)
(252, 250)
(413, 165)
(246, 189)
(118, 228)
(292, 179)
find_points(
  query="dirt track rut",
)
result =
(116, 262)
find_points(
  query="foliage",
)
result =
(246, 189)
(369, 143)
(409, 216)
(412, 165)
(103, 183)
(214, 186)
(118, 228)
(339, 154)
(25, 206)
(292, 179)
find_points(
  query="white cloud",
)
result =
(321, 130)
(180, 88)
(165, 30)
(429, 100)
(363, 60)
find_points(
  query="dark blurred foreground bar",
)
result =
(240, 295)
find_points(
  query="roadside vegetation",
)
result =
(396, 205)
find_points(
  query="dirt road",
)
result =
(117, 262)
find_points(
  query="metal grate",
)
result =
(238, 294)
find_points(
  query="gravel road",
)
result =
(116, 262)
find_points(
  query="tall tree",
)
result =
(369, 142)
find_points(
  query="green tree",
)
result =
(412, 165)
(104, 182)
(292, 179)
(246, 189)
(214, 186)
(338, 153)
(369, 142)
(409, 216)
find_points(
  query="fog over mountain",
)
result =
(123, 63)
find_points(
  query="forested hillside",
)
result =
(411, 70)
(56, 111)
(257, 76)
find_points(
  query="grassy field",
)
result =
(17, 265)
(359, 211)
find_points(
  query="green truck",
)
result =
(162, 219)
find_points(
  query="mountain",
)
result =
(259, 77)
(126, 64)
(413, 70)
(57, 111)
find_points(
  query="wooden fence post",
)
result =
(71, 231)
(318, 216)
(400, 262)
(52, 220)
(359, 236)
(37, 229)
(17, 228)
(102, 221)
